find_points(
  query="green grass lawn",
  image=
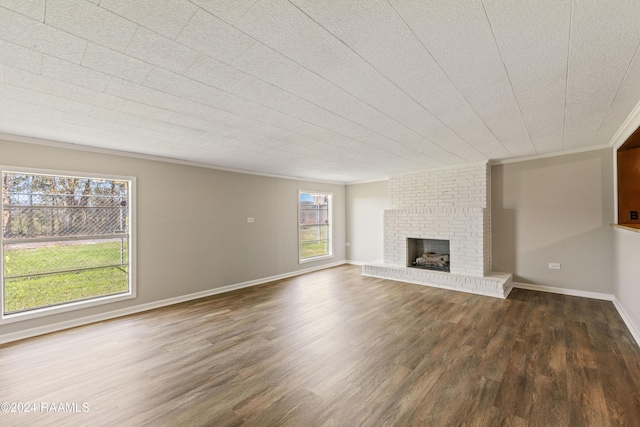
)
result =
(309, 244)
(30, 292)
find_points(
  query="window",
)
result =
(66, 242)
(314, 217)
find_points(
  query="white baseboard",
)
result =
(55, 327)
(564, 291)
(351, 262)
(627, 320)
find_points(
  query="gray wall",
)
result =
(627, 274)
(557, 209)
(366, 204)
(192, 229)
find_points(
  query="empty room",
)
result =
(320, 213)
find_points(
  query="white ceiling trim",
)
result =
(120, 153)
(628, 127)
(548, 155)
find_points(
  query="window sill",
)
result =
(63, 308)
(316, 258)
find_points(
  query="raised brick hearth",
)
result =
(450, 204)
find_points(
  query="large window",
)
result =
(314, 215)
(66, 242)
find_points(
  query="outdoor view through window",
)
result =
(64, 239)
(315, 225)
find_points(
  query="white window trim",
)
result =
(74, 305)
(330, 235)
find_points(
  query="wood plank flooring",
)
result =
(333, 348)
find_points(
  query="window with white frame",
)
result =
(66, 241)
(315, 229)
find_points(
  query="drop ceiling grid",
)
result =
(365, 88)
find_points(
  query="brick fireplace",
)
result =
(452, 204)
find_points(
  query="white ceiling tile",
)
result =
(97, 123)
(385, 42)
(626, 100)
(245, 136)
(75, 74)
(213, 37)
(133, 120)
(269, 65)
(23, 125)
(152, 97)
(37, 82)
(217, 115)
(215, 73)
(166, 17)
(183, 87)
(327, 89)
(90, 22)
(20, 57)
(32, 8)
(185, 120)
(534, 45)
(62, 104)
(93, 98)
(17, 93)
(604, 39)
(47, 129)
(279, 25)
(110, 62)
(34, 110)
(227, 10)
(217, 128)
(252, 110)
(161, 51)
(457, 40)
(34, 35)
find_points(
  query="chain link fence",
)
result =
(55, 215)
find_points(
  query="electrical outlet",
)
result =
(250, 220)
(633, 215)
(554, 265)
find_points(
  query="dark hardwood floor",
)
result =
(333, 348)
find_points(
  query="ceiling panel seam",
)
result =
(524, 121)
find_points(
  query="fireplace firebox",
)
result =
(428, 254)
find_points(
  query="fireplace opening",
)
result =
(428, 254)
